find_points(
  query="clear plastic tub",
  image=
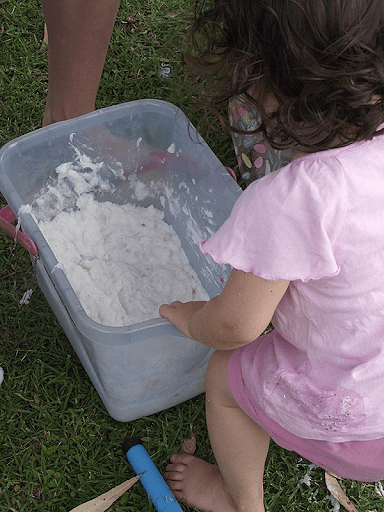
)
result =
(149, 366)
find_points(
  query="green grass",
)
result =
(58, 446)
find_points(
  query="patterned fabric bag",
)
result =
(255, 157)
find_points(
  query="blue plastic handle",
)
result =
(158, 491)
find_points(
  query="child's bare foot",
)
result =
(198, 484)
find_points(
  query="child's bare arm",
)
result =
(232, 319)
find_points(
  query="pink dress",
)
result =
(319, 376)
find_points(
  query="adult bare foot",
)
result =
(198, 484)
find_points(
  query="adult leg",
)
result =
(240, 447)
(78, 36)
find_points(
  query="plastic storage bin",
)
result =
(147, 367)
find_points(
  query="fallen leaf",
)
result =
(45, 38)
(189, 446)
(337, 492)
(104, 501)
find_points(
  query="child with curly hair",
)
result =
(306, 246)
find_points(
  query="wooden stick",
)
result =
(104, 501)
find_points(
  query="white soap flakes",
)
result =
(379, 489)
(26, 297)
(306, 480)
(172, 148)
(123, 261)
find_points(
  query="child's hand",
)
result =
(179, 314)
(236, 317)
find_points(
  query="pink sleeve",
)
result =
(284, 225)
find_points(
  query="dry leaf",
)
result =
(189, 446)
(103, 502)
(45, 38)
(337, 492)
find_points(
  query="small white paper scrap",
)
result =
(25, 298)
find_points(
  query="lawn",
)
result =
(59, 446)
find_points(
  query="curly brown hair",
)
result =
(322, 62)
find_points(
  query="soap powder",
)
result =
(123, 261)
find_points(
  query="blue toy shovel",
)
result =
(160, 494)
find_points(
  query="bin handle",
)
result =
(6, 217)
